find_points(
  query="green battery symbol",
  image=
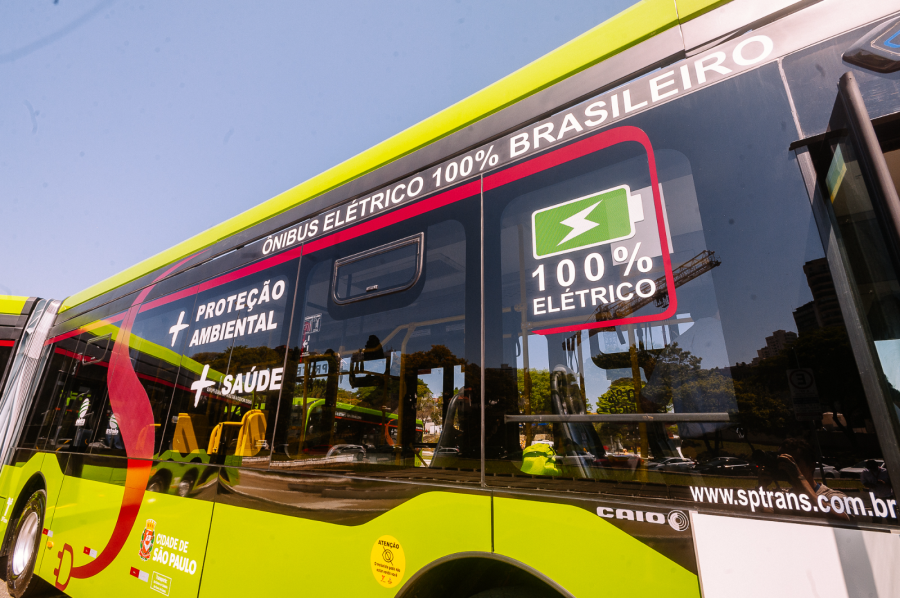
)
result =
(588, 221)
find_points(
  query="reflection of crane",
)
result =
(691, 269)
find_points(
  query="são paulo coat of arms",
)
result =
(147, 538)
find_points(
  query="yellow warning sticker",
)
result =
(388, 562)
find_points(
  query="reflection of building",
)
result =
(805, 317)
(824, 310)
(775, 344)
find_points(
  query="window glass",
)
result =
(6, 352)
(377, 380)
(79, 406)
(232, 368)
(856, 204)
(604, 362)
(157, 338)
(390, 268)
(53, 383)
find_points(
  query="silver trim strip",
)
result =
(24, 376)
(621, 418)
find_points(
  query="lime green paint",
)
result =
(12, 304)
(82, 513)
(12, 479)
(323, 559)
(313, 404)
(691, 9)
(580, 545)
(53, 478)
(176, 456)
(85, 516)
(630, 27)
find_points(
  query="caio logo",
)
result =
(677, 520)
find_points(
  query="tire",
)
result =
(24, 545)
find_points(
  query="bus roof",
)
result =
(12, 304)
(628, 28)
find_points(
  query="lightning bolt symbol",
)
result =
(579, 223)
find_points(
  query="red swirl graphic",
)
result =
(131, 406)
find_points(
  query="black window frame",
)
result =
(418, 240)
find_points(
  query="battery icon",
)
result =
(596, 219)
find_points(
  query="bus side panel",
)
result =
(12, 478)
(175, 530)
(53, 477)
(586, 554)
(324, 559)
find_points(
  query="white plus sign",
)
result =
(201, 384)
(174, 330)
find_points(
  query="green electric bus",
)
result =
(625, 323)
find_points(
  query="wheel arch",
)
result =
(481, 571)
(33, 484)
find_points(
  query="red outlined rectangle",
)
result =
(577, 150)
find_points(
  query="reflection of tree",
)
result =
(372, 396)
(674, 378)
(428, 406)
(438, 356)
(216, 361)
(619, 398)
(241, 358)
(540, 389)
(758, 394)
(675, 382)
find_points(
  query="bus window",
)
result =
(232, 368)
(377, 370)
(38, 424)
(387, 269)
(655, 337)
(155, 351)
(79, 407)
(858, 169)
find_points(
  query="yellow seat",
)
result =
(252, 436)
(216, 436)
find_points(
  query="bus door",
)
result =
(78, 410)
(857, 167)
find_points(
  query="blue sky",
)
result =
(127, 127)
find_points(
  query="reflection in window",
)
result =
(233, 370)
(750, 382)
(385, 382)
